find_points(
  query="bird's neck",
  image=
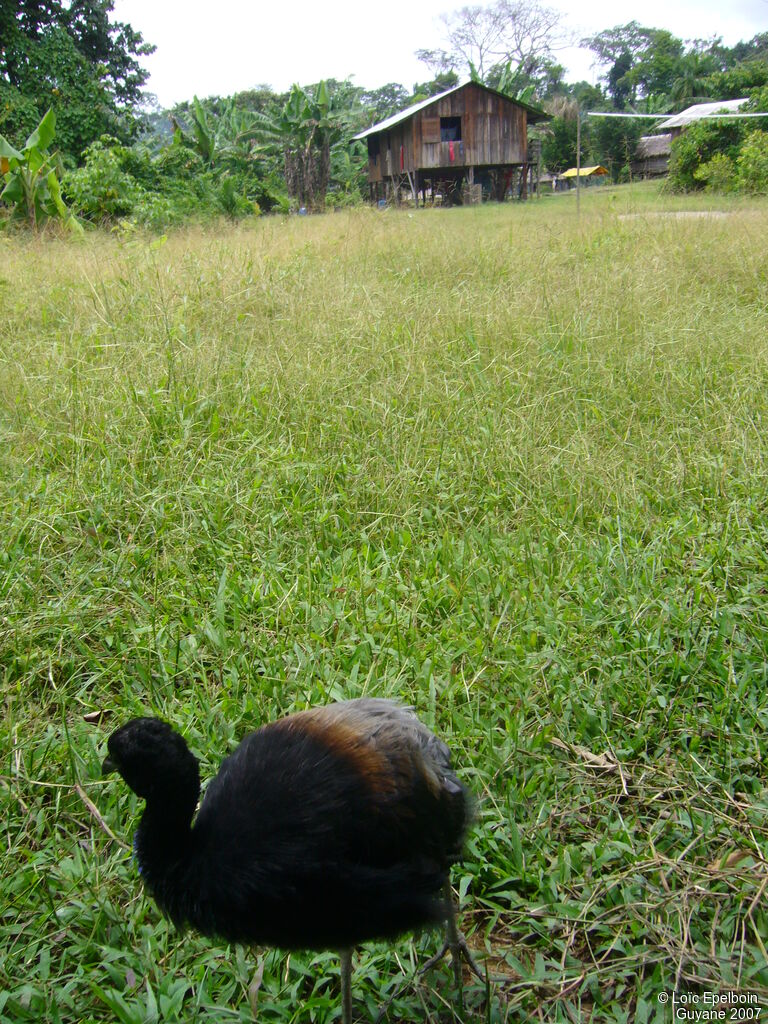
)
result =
(163, 844)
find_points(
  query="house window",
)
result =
(450, 129)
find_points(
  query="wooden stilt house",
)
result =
(467, 139)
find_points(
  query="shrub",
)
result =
(758, 98)
(138, 162)
(697, 145)
(341, 200)
(181, 163)
(232, 202)
(558, 147)
(156, 212)
(753, 162)
(101, 190)
(718, 174)
(613, 143)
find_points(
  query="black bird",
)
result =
(322, 830)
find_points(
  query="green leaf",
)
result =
(7, 150)
(60, 207)
(322, 98)
(42, 136)
(55, 192)
(36, 160)
(152, 1014)
(116, 1004)
(516, 845)
(13, 191)
(205, 141)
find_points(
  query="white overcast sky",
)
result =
(229, 45)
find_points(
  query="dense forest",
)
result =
(79, 134)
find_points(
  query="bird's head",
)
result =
(155, 761)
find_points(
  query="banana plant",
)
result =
(306, 131)
(509, 84)
(31, 178)
(205, 138)
(221, 139)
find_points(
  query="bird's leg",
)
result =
(346, 986)
(455, 942)
(452, 936)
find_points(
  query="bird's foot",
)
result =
(458, 951)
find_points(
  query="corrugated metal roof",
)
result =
(699, 110)
(534, 113)
(390, 122)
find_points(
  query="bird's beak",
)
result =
(108, 766)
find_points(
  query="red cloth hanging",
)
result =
(450, 152)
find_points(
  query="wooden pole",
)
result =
(538, 173)
(578, 163)
(412, 183)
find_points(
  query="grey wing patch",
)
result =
(395, 727)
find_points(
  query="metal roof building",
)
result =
(453, 142)
(679, 121)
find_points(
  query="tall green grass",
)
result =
(506, 466)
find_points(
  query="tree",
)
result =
(739, 81)
(74, 59)
(753, 162)
(658, 64)
(641, 63)
(693, 79)
(544, 82)
(440, 83)
(112, 46)
(223, 140)
(21, 24)
(620, 89)
(558, 148)
(755, 48)
(614, 141)
(612, 43)
(590, 97)
(523, 32)
(638, 60)
(81, 104)
(383, 102)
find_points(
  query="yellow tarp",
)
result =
(584, 172)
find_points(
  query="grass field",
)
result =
(506, 466)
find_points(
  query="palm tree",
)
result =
(692, 81)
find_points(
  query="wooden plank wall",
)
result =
(493, 132)
(387, 162)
